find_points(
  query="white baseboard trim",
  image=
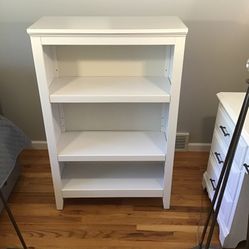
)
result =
(199, 146)
(42, 145)
(39, 145)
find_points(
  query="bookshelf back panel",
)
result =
(145, 117)
(112, 60)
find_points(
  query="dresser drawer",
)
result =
(211, 179)
(214, 170)
(218, 150)
(224, 128)
(245, 163)
(224, 125)
(212, 176)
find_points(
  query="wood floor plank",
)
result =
(109, 223)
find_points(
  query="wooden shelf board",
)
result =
(110, 89)
(112, 146)
(112, 181)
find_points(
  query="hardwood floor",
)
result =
(132, 223)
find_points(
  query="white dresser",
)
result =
(233, 216)
(109, 90)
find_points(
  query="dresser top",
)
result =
(232, 103)
(170, 25)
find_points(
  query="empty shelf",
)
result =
(112, 146)
(112, 181)
(110, 89)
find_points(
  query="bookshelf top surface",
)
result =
(108, 25)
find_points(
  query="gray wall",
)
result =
(216, 50)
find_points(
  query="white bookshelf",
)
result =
(111, 146)
(113, 181)
(109, 90)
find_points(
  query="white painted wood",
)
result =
(43, 81)
(50, 63)
(112, 181)
(225, 122)
(233, 218)
(111, 146)
(239, 222)
(129, 39)
(110, 89)
(124, 115)
(173, 116)
(102, 60)
(61, 117)
(218, 150)
(226, 205)
(42, 145)
(168, 61)
(56, 121)
(116, 117)
(170, 57)
(164, 117)
(108, 25)
(232, 102)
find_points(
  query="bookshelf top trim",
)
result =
(76, 25)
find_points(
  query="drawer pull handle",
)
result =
(212, 183)
(246, 167)
(224, 131)
(218, 157)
